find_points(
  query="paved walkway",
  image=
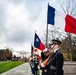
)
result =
(23, 69)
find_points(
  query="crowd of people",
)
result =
(51, 62)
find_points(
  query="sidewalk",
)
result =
(23, 69)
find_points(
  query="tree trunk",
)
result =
(70, 46)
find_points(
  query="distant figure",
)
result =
(36, 62)
(31, 63)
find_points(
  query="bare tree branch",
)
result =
(73, 8)
(63, 7)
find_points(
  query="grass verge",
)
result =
(7, 65)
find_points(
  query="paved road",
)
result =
(23, 69)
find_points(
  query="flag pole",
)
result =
(47, 30)
(31, 49)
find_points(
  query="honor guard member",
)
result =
(43, 65)
(36, 62)
(43, 58)
(55, 62)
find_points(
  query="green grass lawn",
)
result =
(6, 65)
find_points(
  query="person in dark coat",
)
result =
(31, 63)
(55, 62)
(55, 59)
(44, 69)
(44, 56)
(36, 62)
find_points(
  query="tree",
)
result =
(69, 7)
(53, 33)
(8, 54)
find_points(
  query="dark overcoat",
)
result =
(55, 65)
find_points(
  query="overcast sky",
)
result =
(19, 19)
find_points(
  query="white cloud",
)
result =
(17, 16)
(19, 20)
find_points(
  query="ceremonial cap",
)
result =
(56, 41)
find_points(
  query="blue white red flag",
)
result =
(63, 21)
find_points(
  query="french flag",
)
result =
(63, 21)
(38, 44)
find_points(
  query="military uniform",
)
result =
(35, 69)
(55, 64)
(44, 69)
